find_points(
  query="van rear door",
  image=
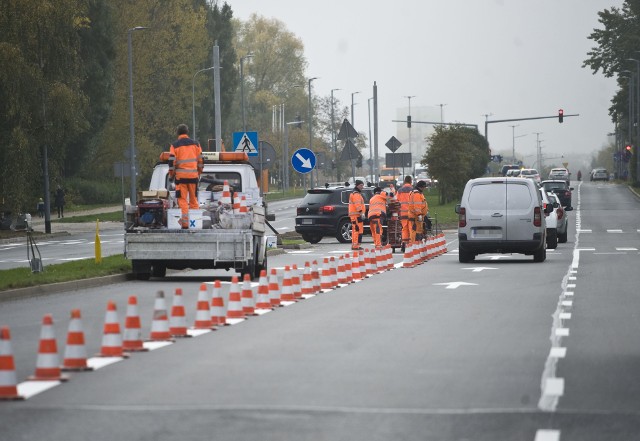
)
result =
(520, 205)
(486, 211)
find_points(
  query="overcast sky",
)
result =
(506, 58)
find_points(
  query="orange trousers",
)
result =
(376, 231)
(407, 227)
(184, 192)
(356, 230)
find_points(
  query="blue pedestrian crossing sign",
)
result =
(246, 142)
(303, 160)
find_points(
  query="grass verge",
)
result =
(114, 216)
(64, 272)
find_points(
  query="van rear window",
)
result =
(498, 196)
(518, 197)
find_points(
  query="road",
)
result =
(77, 241)
(502, 348)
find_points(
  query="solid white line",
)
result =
(547, 435)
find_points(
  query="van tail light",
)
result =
(462, 217)
(537, 217)
(326, 209)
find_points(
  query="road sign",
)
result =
(350, 151)
(303, 160)
(246, 142)
(393, 144)
(347, 131)
(268, 155)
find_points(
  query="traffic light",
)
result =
(560, 115)
(628, 152)
(409, 121)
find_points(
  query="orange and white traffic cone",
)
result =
(234, 310)
(274, 288)
(296, 284)
(111, 338)
(263, 301)
(342, 277)
(243, 205)
(160, 323)
(178, 317)
(248, 300)
(75, 353)
(325, 275)
(225, 199)
(355, 267)
(333, 266)
(48, 363)
(407, 261)
(236, 203)
(307, 282)
(348, 270)
(8, 377)
(203, 311)
(218, 315)
(286, 295)
(315, 277)
(132, 337)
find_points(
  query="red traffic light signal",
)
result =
(560, 115)
(628, 148)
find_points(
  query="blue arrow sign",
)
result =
(246, 142)
(303, 160)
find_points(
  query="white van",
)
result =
(501, 215)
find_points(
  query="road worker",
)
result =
(356, 214)
(418, 209)
(403, 195)
(185, 166)
(377, 210)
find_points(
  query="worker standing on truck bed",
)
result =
(185, 166)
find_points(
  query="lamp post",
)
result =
(132, 146)
(637, 116)
(304, 178)
(285, 147)
(410, 148)
(441, 113)
(193, 99)
(370, 149)
(353, 122)
(244, 124)
(333, 134)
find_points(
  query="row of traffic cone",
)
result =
(423, 250)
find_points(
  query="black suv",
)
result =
(324, 212)
(560, 188)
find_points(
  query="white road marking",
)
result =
(558, 352)
(562, 332)
(478, 269)
(567, 303)
(455, 285)
(627, 249)
(565, 316)
(614, 231)
(547, 435)
(554, 387)
(571, 285)
(28, 389)
(584, 231)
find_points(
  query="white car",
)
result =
(551, 219)
(562, 217)
(531, 173)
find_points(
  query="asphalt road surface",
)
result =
(501, 348)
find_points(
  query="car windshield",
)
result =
(316, 198)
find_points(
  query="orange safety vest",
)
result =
(356, 205)
(185, 160)
(417, 204)
(403, 197)
(377, 205)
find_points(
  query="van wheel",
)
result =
(344, 231)
(465, 256)
(540, 255)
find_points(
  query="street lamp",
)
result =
(370, 150)
(409, 98)
(244, 125)
(285, 147)
(353, 123)
(193, 99)
(333, 134)
(304, 179)
(132, 147)
(441, 114)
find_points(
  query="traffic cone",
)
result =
(333, 266)
(307, 282)
(218, 316)
(296, 284)
(381, 260)
(243, 205)
(132, 337)
(203, 313)
(178, 318)
(8, 378)
(347, 268)
(325, 275)
(75, 353)
(355, 267)
(225, 199)
(274, 288)
(235, 311)
(407, 259)
(389, 251)
(160, 323)
(111, 338)
(236, 203)
(286, 294)
(248, 300)
(342, 276)
(47, 363)
(315, 276)
(263, 301)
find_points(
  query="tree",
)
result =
(457, 154)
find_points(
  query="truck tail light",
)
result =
(537, 217)
(462, 217)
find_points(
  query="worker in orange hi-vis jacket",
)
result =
(185, 166)
(377, 210)
(403, 195)
(418, 209)
(356, 214)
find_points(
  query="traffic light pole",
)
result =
(487, 122)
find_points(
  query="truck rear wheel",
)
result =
(141, 269)
(158, 270)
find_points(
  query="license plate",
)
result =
(486, 233)
(307, 221)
